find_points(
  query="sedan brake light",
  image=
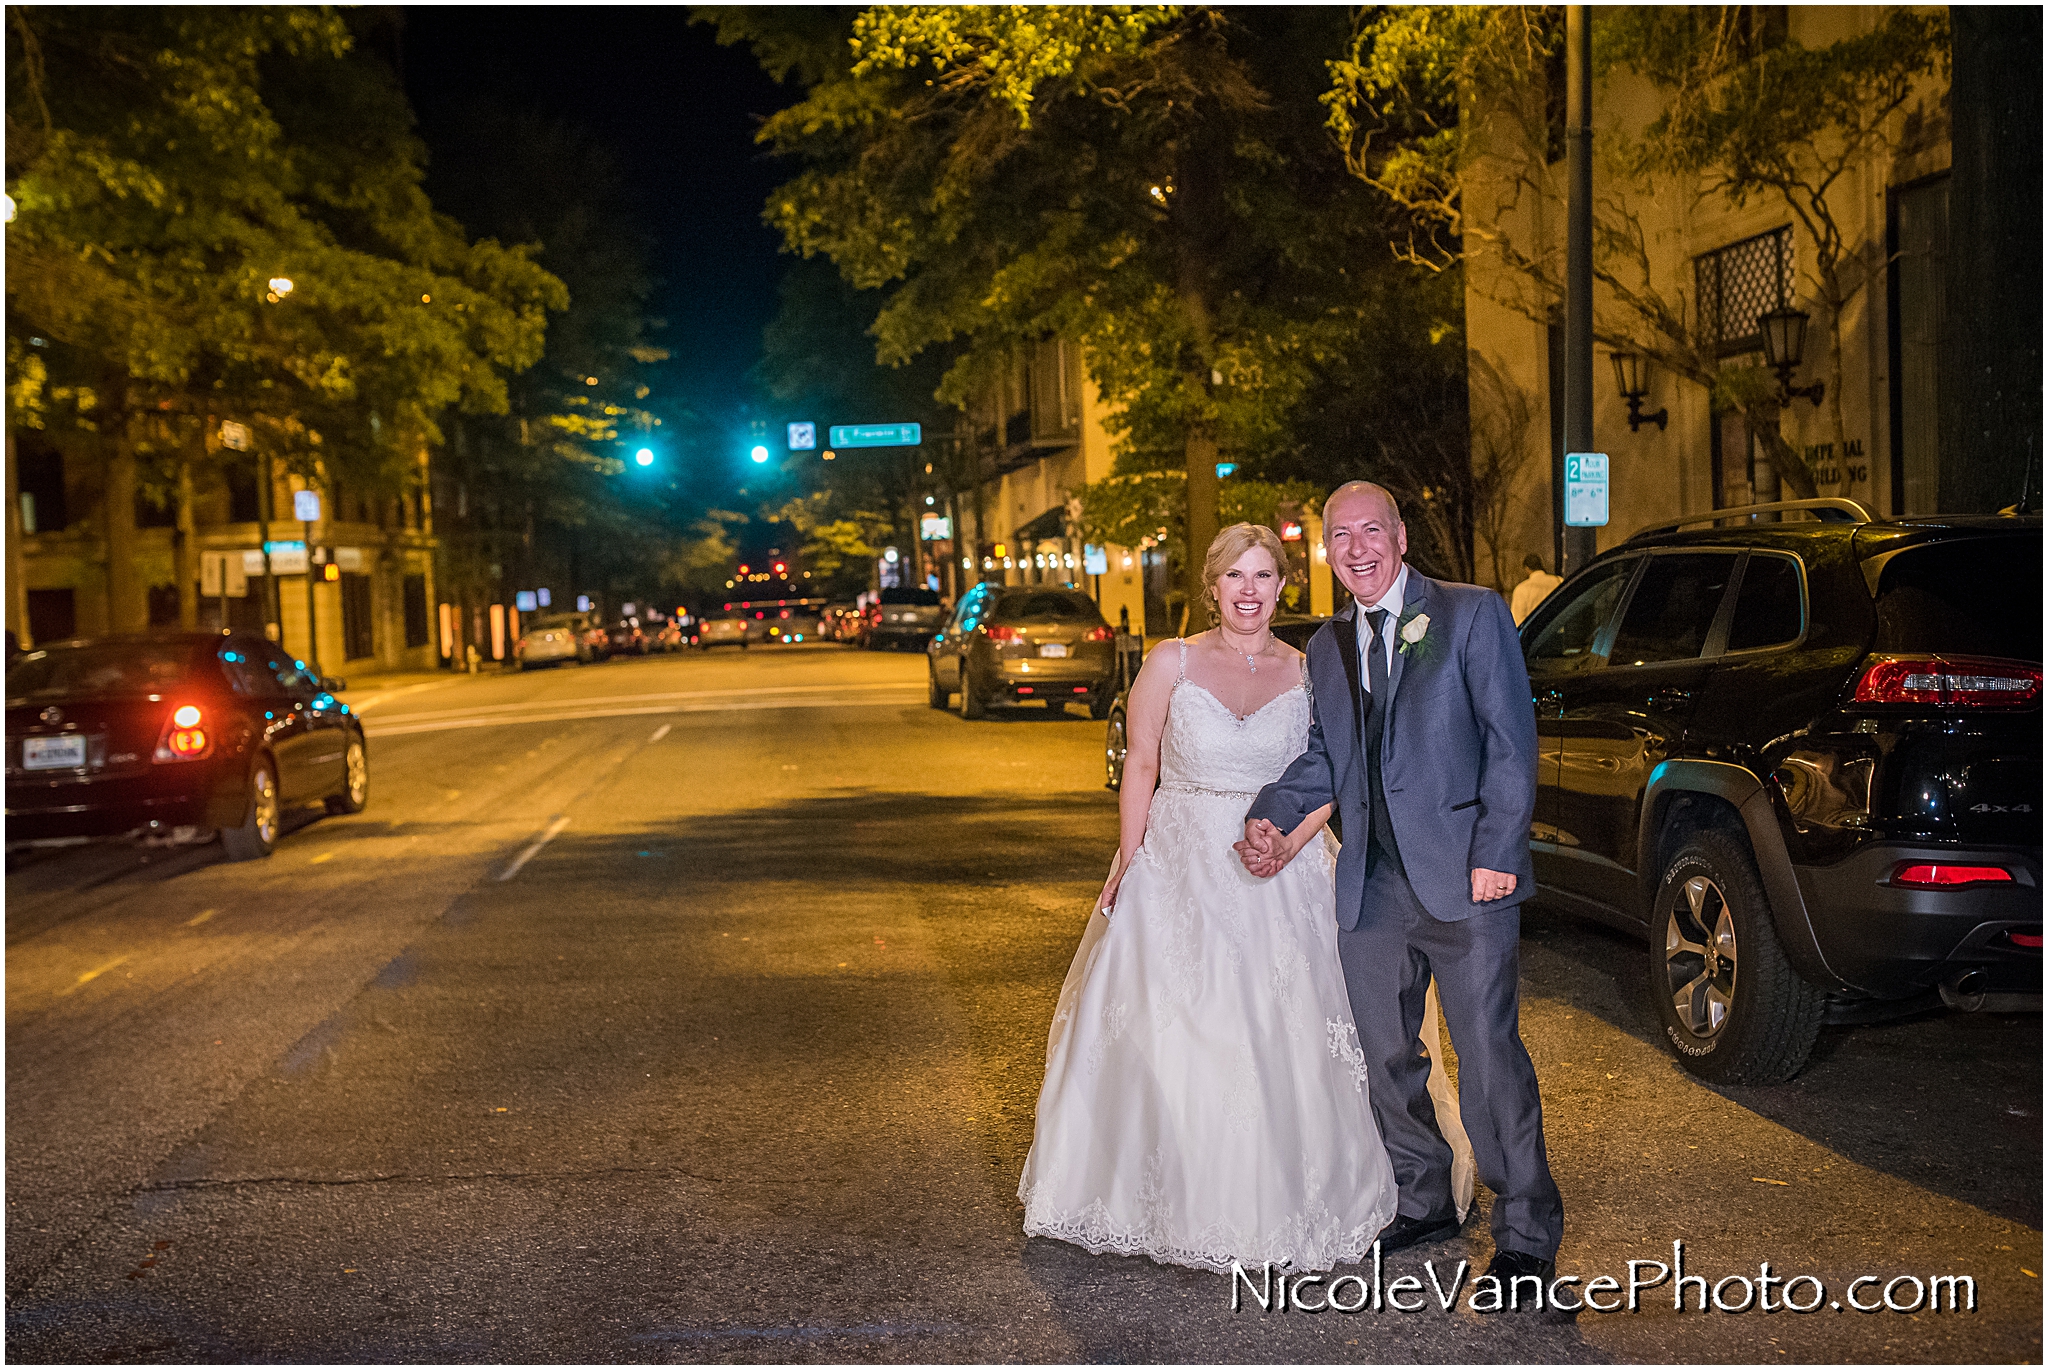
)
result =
(1002, 632)
(1099, 633)
(184, 737)
(1969, 681)
(1928, 875)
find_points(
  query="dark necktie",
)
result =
(1380, 841)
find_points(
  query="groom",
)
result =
(1425, 741)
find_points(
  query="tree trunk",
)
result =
(127, 608)
(1784, 460)
(185, 540)
(1200, 212)
(17, 580)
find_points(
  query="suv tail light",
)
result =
(1969, 681)
(1002, 632)
(1100, 633)
(184, 737)
(1929, 876)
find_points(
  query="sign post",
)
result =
(1585, 490)
(877, 434)
(306, 508)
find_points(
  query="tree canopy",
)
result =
(168, 164)
(1152, 182)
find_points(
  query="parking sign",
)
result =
(1585, 489)
(803, 437)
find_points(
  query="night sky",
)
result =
(679, 111)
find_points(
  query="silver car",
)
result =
(547, 641)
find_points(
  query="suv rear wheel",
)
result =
(971, 705)
(1728, 1001)
(938, 693)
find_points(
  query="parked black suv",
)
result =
(1804, 759)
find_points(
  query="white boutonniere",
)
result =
(1412, 632)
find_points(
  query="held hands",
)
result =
(1265, 850)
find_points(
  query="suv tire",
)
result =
(971, 705)
(1727, 1000)
(939, 696)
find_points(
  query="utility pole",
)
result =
(1580, 544)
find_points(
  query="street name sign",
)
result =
(877, 434)
(1585, 489)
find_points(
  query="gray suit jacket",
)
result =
(1458, 759)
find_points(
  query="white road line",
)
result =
(519, 861)
(397, 728)
(384, 695)
(661, 732)
(583, 701)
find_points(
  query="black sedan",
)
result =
(157, 731)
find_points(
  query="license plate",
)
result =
(1052, 649)
(52, 753)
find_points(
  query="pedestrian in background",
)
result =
(1532, 591)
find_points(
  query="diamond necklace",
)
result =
(1251, 658)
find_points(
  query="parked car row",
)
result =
(585, 638)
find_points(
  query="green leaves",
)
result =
(1007, 52)
(171, 163)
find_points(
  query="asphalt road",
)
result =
(695, 1009)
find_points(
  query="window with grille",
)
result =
(1739, 284)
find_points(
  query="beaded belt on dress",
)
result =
(1182, 787)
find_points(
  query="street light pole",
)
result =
(1580, 544)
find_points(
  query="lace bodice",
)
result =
(1207, 747)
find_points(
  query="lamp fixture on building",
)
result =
(1632, 375)
(1784, 333)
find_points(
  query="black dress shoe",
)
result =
(1506, 1267)
(1405, 1231)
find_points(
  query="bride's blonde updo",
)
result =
(1230, 544)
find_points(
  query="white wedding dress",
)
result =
(1205, 1094)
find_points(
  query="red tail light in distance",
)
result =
(1099, 634)
(1000, 632)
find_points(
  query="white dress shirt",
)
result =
(1389, 629)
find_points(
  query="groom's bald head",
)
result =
(1360, 489)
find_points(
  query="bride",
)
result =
(1205, 1094)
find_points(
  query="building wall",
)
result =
(75, 558)
(1656, 474)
